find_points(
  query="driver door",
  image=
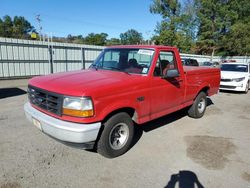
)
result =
(166, 93)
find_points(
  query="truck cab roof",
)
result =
(143, 46)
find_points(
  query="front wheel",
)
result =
(117, 136)
(198, 108)
(247, 88)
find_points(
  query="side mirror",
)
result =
(171, 73)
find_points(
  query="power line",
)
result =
(83, 21)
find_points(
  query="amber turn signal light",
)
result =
(78, 113)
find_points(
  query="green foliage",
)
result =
(113, 41)
(223, 27)
(214, 20)
(75, 39)
(1, 28)
(131, 37)
(91, 39)
(176, 28)
(204, 26)
(19, 27)
(96, 39)
(237, 40)
(167, 8)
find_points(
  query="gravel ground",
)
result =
(174, 150)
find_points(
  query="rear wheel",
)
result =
(117, 136)
(198, 108)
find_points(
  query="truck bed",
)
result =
(196, 76)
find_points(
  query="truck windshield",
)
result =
(135, 61)
(235, 68)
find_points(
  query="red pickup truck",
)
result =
(97, 108)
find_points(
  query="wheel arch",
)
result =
(204, 89)
(129, 110)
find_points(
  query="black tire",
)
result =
(198, 108)
(117, 136)
(247, 88)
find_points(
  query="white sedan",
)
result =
(235, 77)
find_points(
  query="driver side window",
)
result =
(166, 61)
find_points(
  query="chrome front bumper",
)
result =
(62, 130)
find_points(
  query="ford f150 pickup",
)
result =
(126, 85)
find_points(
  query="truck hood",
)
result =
(232, 75)
(82, 83)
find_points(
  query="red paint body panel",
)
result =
(113, 90)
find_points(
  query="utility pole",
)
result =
(39, 25)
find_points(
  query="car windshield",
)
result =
(135, 61)
(235, 68)
(207, 63)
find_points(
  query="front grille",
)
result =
(226, 80)
(227, 87)
(51, 102)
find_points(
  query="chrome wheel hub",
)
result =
(118, 136)
(201, 105)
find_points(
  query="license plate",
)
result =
(37, 123)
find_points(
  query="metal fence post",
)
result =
(83, 58)
(66, 58)
(8, 63)
(1, 61)
(51, 59)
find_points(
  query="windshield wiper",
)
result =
(95, 66)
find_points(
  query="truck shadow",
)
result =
(165, 120)
(162, 121)
(11, 92)
(157, 123)
(185, 179)
(209, 102)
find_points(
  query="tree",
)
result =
(79, 39)
(113, 41)
(215, 18)
(7, 26)
(70, 38)
(96, 39)
(131, 37)
(170, 12)
(1, 28)
(176, 27)
(237, 40)
(19, 27)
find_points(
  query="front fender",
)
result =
(117, 105)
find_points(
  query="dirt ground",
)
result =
(169, 152)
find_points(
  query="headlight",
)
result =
(78, 106)
(238, 79)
